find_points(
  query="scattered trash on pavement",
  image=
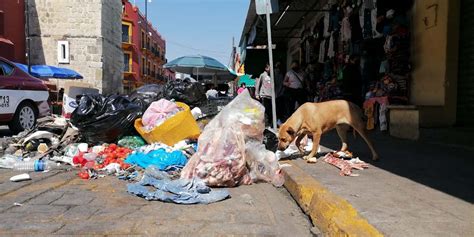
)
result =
(104, 119)
(190, 93)
(131, 142)
(159, 157)
(346, 166)
(20, 177)
(152, 139)
(33, 165)
(176, 128)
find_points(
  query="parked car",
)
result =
(23, 98)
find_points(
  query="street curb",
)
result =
(333, 215)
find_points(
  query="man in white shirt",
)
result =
(212, 93)
(294, 83)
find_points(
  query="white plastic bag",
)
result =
(263, 164)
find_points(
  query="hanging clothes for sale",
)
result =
(322, 51)
(334, 16)
(367, 27)
(383, 117)
(346, 32)
(326, 25)
(328, 70)
(331, 52)
(373, 17)
(369, 112)
(356, 30)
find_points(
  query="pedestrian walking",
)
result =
(263, 91)
(294, 83)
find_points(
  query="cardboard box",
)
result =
(71, 91)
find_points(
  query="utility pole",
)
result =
(232, 55)
(28, 40)
(270, 57)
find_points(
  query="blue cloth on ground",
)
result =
(160, 158)
(181, 191)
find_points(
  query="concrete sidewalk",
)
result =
(59, 203)
(417, 189)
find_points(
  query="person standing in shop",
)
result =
(263, 91)
(294, 87)
(352, 81)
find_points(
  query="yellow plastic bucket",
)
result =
(177, 128)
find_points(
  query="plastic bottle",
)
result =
(33, 165)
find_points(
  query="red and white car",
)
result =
(23, 98)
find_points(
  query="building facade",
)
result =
(432, 56)
(144, 50)
(82, 35)
(12, 30)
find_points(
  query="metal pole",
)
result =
(28, 40)
(270, 57)
(146, 39)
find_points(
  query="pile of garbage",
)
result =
(153, 139)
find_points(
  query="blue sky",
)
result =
(197, 26)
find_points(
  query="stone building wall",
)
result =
(112, 46)
(92, 28)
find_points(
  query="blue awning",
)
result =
(45, 71)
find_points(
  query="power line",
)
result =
(196, 49)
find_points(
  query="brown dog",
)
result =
(317, 118)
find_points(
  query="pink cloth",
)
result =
(240, 90)
(158, 112)
(380, 100)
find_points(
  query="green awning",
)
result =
(247, 79)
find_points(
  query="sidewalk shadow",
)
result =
(445, 168)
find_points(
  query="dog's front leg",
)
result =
(298, 142)
(316, 138)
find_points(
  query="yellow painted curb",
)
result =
(333, 215)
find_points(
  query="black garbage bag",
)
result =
(270, 140)
(147, 94)
(190, 93)
(105, 119)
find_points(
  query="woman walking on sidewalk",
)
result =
(263, 91)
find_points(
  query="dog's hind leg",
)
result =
(359, 126)
(342, 133)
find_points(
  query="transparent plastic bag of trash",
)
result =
(221, 159)
(263, 164)
(244, 113)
